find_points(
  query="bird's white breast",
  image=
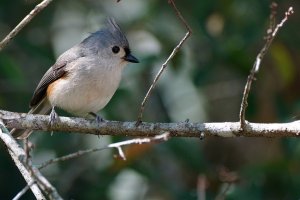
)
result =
(87, 87)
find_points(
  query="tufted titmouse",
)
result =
(84, 78)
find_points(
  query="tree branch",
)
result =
(271, 33)
(24, 22)
(118, 146)
(37, 182)
(164, 65)
(180, 129)
(23, 191)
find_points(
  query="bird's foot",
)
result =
(53, 117)
(98, 118)
(138, 123)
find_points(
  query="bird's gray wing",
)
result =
(39, 104)
(55, 72)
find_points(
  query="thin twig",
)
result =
(118, 146)
(271, 33)
(24, 22)
(69, 156)
(23, 191)
(164, 65)
(27, 149)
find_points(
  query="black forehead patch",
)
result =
(127, 50)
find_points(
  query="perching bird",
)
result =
(84, 78)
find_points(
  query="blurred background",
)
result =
(203, 83)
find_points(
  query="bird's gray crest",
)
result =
(109, 35)
(116, 31)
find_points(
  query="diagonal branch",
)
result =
(118, 146)
(164, 65)
(24, 22)
(23, 191)
(271, 33)
(36, 181)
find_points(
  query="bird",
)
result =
(84, 78)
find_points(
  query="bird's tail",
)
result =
(44, 107)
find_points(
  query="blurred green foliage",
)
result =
(204, 83)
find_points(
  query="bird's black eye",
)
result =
(115, 49)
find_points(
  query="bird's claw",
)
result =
(53, 117)
(98, 118)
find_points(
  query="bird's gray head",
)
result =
(110, 43)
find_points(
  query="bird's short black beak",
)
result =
(131, 58)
